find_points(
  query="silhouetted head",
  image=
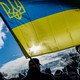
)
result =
(78, 49)
(34, 62)
(47, 70)
(58, 72)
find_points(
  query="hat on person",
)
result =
(34, 61)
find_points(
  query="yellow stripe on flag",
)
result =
(54, 32)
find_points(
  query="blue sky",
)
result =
(9, 50)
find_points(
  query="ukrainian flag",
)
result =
(42, 26)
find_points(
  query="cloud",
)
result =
(2, 34)
(12, 68)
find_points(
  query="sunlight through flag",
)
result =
(35, 49)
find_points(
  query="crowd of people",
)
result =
(70, 72)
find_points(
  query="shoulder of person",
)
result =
(48, 76)
(25, 78)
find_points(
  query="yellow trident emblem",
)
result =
(14, 12)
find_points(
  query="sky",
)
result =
(9, 49)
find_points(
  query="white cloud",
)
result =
(2, 34)
(14, 67)
(7, 30)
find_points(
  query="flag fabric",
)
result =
(42, 26)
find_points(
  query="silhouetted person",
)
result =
(20, 76)
(71, 70)
(47, 70)
(1, 76)
(78, 49)
(34, 72)
(59, 75)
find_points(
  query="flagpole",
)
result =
(20, 45)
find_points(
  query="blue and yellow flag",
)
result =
(42, 26)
